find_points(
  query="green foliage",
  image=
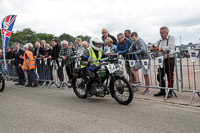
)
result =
(24, 36)
(44, 36)
(84, 38)
(67, 37)
(27, 35)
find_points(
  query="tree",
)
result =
(24, 36)
(67, 37)
(27, 35)
(44, 36)
(84, 38)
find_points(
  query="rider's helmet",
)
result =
(96, 43)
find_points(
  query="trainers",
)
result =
(138, 83)
(146, 92)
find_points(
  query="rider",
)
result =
(91, 56)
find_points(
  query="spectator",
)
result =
(106, 34)
(49, 74)
(30, 47)
(71, 45)
(164, 45)
(109, 48)
(9, 57)
(85, 44)
(39, 53)
(123, 48)
(139, 47)
(29, 66)
(55, 55)
(12, 49)
(79, 46)
(65, 54)
(127, 34)
(13, 72)
(18, 61)
(43, 43)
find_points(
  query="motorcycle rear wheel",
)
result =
(79, 87)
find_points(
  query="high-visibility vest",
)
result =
(94, 57)
(28, 63)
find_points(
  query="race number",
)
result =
(111, 68)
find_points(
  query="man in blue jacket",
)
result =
(123, 46)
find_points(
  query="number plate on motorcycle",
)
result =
(111, 68)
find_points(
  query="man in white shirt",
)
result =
(164, 46)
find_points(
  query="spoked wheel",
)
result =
(2, 83)
(121, 91)
(79, 87)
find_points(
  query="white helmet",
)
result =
(96, 41)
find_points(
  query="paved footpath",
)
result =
(42, 110)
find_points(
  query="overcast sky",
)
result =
(88, 17)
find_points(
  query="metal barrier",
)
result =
(186, 69)
(11, 69)
(49, 72)
(156, 63)
(189, 69)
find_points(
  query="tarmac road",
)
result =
(42, 110)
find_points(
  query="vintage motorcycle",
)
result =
(108, 80)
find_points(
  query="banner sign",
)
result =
(6, 30)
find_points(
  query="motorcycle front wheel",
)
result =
(2, 83)
(121, 90)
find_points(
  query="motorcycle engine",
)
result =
(97, 90)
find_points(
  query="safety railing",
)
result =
(182, 75)
(152, 67)
(190, 72)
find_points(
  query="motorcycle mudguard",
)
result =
(118, 73)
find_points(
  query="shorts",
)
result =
(138, 65)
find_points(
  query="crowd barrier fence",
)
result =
(186, 71)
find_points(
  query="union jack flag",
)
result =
(6, 30)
